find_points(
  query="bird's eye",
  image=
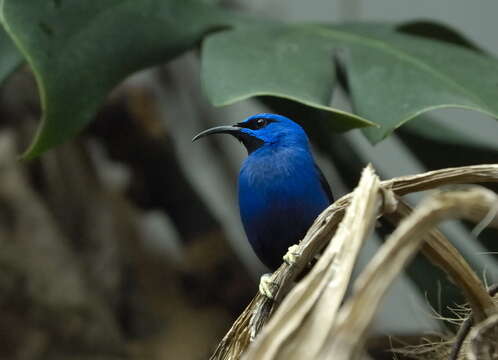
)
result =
(260, 123)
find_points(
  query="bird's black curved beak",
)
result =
(218, 130)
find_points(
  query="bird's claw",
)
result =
(291, 255)
(267, 287)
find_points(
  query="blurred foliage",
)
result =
(429, 128)
(391, 77)
(87, 267)
(10, 57)
(80, 50)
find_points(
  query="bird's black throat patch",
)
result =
(251, 143)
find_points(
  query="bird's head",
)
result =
(262, 129)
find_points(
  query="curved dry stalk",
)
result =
(483, 344)
(260, 309)
(464, 329)
(429, 180)
(443, 254)
(346, 340)
(238, 337)
(300, 326)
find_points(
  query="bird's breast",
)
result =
(273, 169)
(279, 198)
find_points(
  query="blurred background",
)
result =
(126, 242)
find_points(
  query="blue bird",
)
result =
(281, 189)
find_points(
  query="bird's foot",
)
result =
(291, 256)
(267, 287)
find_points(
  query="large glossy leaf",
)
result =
(79, 50)
(392, 77)
(435, 129)
(290, 62)
(437, 31)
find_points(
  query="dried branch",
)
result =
(346, 340)
(483, 340)
(261, 308)
(300, 326)
(443, 254)
(464, 329)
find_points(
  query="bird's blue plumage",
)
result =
(281, 190)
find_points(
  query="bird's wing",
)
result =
(325, 184)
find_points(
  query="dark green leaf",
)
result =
(430, 128)
(392, 77)
(397, 77)
(436, 31)
(79, 50)
(10, 57)
(290, 62)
